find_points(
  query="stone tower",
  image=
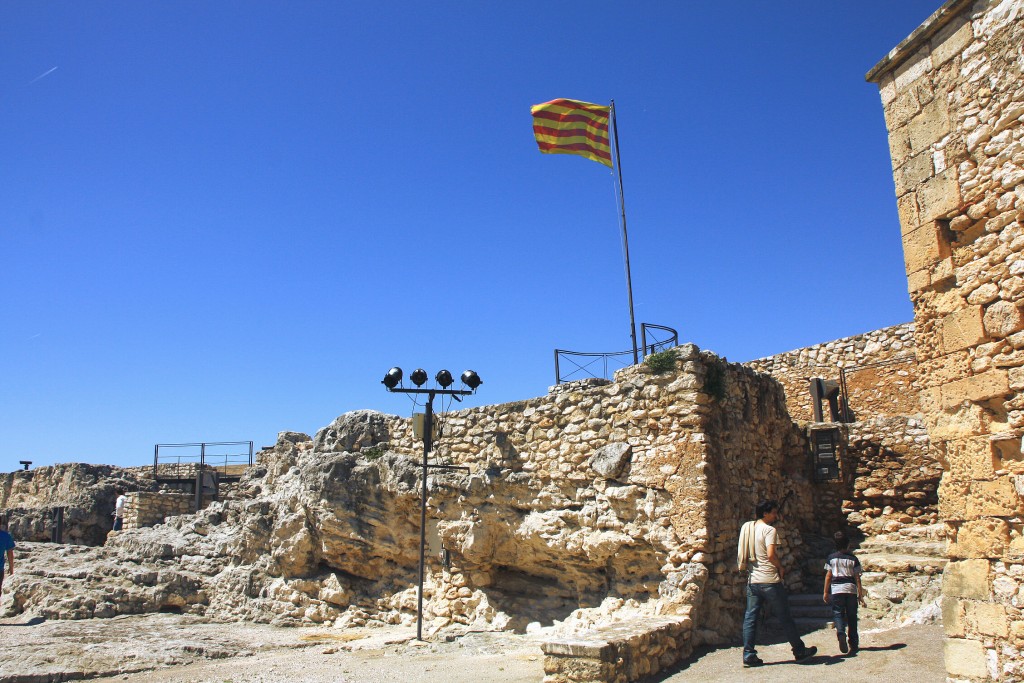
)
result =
(953, 97)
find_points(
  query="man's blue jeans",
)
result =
(778, 597)
(844, 612)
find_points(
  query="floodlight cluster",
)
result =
(443, 378)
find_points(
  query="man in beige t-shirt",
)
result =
(765, 584)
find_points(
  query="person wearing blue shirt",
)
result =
(6, 552)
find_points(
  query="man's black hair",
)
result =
(841, 540)
(766, 506)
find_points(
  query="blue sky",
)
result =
(221, 220)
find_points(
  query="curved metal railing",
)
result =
(584, 365)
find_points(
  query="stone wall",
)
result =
(953, 98)
(631, 491)
(892, 477)
(880, 367)
(146, 508)
(889, 476)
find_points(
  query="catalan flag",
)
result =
(573, 127)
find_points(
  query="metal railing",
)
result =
(583, 364)
(180, 460)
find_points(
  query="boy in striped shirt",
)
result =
(843, 590)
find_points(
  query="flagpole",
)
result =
(625, 237)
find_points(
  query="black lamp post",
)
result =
(392, 381)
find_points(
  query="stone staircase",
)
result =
(809, 612)
(902, 576)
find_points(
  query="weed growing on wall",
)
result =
(660, 363)
(374, 452)
(714, 381)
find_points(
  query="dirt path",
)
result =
(164, 648)
(912, 654)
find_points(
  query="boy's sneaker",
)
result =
(843, 647)
(752, 661)
(805, 654)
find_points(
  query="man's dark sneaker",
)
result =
(843, 647)
(853, 650)
(752, 661)
(806, 654)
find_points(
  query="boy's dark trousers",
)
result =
(844, 614)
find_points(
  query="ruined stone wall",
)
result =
(146, 508)
(953, 97)
(754, 452)
(873, 390)
(87, 492)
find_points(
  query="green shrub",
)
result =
(660, 363)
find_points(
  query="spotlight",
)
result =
(418, 376)
(392, 379)
(471, 379)
(444, 379)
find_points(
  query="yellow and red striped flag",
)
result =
(573, 127)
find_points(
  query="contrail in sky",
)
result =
(42, 75)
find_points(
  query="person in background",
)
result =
(119, 510)
(759, 540)
(843, 591)
(6, 551)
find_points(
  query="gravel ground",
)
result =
(167, 648)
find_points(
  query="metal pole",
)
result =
(625, 237)
(846, 398)
(558, 375)
(428, 434)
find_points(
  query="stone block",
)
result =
(993, 499)
(1002, 319)
(903, 107)
(951, 40)
(610, 460)
(965, 658)
(929, 126)
(991, 384)
(963, 329)
(983, 538)
(899, 146)
(938, 196)
(943, 271)
(916, 66)
(924, 247)
(952, 616)
(967, 579)
(909, 216)
(919, 280)
(913, 173)
(988, 618)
